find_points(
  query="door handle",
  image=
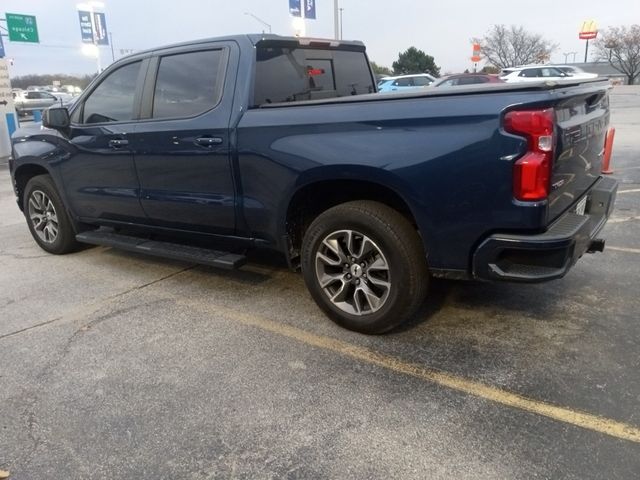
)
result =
(208, 141)
(118, 143)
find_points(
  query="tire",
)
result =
(390, 287)
(42, 206)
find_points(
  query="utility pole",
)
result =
(113, 55)
(336, 20)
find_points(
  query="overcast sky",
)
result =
(440, 28)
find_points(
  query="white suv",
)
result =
(575, 72)
(536, 73)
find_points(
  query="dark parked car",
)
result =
(203, 150)
(466, 79)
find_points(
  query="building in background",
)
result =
(604, 69)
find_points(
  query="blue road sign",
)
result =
(295, 8)
(310, 9)
(1, 48)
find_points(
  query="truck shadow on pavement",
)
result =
(447, 304)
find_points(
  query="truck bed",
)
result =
(430, 92)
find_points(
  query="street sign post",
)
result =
(476, 56)
(22, 28)
(589, 31)
(8, 120)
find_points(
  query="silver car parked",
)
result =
(30, 100)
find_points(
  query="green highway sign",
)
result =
(22, 28)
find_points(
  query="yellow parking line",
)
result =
(563, 414)
(623, 249)
(635, 190)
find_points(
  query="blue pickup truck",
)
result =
(204, 150)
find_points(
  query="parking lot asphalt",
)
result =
(114, 365)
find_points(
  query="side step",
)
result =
(175, 251)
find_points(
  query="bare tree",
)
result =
(620, 46)
(512, 46)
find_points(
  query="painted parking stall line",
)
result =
(623, 249)
(497, 395)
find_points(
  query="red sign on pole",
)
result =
(476, 53)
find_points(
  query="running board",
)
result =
(174, 251)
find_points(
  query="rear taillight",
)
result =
(532, 172)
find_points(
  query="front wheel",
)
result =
(365, 266)
(47, 218)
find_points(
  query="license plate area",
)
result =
(581, 207)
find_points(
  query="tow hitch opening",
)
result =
(596, 245)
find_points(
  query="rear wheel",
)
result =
(46, 216)
(365, 266)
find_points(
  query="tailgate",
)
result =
(582, 122)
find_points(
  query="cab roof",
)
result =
(256, 39)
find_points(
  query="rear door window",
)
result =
(403, 82)
(294, 74)
(467, 81)
(421, 81)
(188, 84)
(531, 73)
(551, 72)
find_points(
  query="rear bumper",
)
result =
(548, 255)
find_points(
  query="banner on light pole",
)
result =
(86, 26)
(93, 27)
(310, 9)
(100, 29)
(303, 8)
(295, 8)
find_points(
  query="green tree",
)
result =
(413, 60)
(620, 46)
(380, 70)
(490, 69)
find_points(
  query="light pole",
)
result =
(336, 20)
(610, 45)
(113, 55)
(259, 20)
(566, 56)
(341, 10)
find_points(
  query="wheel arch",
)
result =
(23, 174)
(317, 195)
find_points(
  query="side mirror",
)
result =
(56, 118)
